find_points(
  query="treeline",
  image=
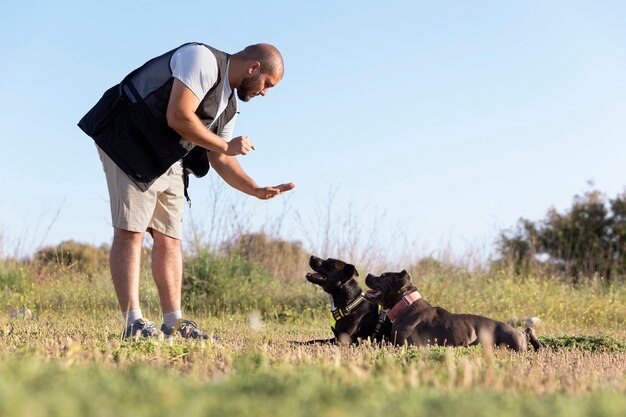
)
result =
(587, 240)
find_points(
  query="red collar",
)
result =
(406, 301)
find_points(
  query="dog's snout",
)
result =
(315, 262)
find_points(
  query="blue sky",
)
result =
(452, 118)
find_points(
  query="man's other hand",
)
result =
(265, 193)
(240, 145)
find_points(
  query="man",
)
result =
(172, 116)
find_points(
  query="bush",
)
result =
(286, 261)
(12, 276)
(72, 255)
(231, 283)
(585, 241)
(430, 265)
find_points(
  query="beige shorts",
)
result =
(160, 207)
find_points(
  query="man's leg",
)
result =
(167, 270)
(131, 210)
(124, 262)
(167, 257)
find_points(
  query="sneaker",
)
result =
(184, 328)
(141, 327)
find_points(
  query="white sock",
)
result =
(170, 319)
(131, 315)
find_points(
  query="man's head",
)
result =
(255, 70)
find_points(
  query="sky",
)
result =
(429, 126)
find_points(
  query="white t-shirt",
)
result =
(196, 67)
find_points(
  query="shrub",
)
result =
(587, 240)
(12, 276)
(229, 283)
(72, 255)
(286, 261)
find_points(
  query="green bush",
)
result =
(228, 283)
(585, 241)
(12, 277)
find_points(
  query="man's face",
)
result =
(256, 84)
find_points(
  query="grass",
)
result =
(76, 366)
(141, 390)
(583, 342)
(62, 353)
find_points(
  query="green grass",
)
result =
(584, 342)
(66, 357)
(73, 371)
(141, 390)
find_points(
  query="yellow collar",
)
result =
(339, 313)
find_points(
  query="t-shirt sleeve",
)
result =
(196, 67)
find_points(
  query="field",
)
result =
(61, 353)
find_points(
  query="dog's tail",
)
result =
(532, 339)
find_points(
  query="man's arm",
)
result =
(229, 169)
(181, 116)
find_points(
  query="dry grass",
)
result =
(69, 342)
(74, 362)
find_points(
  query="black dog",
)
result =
(416, 322)
(353, 317)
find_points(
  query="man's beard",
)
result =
(243, 91)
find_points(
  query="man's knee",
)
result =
(165, 241)
(121, 236)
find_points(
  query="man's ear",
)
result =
(253, 67)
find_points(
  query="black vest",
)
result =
(129, 122)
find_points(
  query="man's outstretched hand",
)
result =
(265, 193)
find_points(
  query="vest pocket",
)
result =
(99, 117)
(133, 152)
(136, 135)
(149, 119)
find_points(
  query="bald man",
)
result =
(172, 116)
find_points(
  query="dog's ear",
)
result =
(407, 284)
(351, 270)
(406, 275)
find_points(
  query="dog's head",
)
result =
(330, 274)
(388, 288)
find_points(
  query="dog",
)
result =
(416, 322)
(353, 318)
